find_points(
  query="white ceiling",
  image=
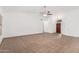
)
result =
(37, 9)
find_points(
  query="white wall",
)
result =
(1, 26)
(50, 24)
(70, 24)
(19, 23)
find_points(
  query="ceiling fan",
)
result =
(46, 12)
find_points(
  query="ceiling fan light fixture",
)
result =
(44, 15)
(45, 12)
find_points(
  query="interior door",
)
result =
(58, 28)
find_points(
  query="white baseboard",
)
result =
(71, 35)
(21, 35)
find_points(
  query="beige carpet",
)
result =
(40, 43)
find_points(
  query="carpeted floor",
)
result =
(40, 43)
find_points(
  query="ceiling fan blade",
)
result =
(49, 14)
